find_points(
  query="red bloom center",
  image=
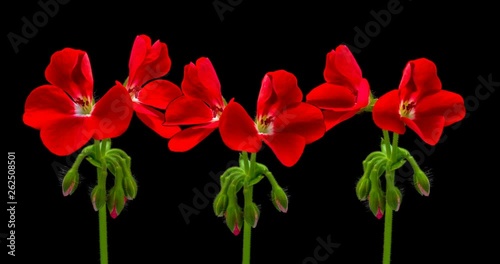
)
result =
(216, 112)
(83, 106)
(407, 109)
(265, 124)
(134, 92)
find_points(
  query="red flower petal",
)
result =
(187, 111)
(154, 119)
(112, 113)
(45, 104)
(200, 81)
(279, 89)
(190, 137)
(331, 96)
(147, 61)
(304, 119)
(333, 118)
(238, 130)
(386, 113)
(363, 94)
(159, 93)
(137, 55)
(287, 147)
(428, 128)
(443, 103)
(419, 80)
(69, 69)
(341, 67)
(66, 135)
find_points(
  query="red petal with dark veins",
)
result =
(287, 147)
(443, 103)
(333, 118)
(428, 128)
(187, 111)
(159, 93)
(419, 80)
(200, 81)
(386, 113)
(147, 61)
(238, 130)
(190, 137)
(341, 67)
(45, 104)
(331, 96)
(67, 135)
(279, 89)
(69, 69)
(304, 119)
(112, 113)
(154, 119)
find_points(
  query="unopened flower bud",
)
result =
(394, 197)
(130, 187)
(363, 188)
(376, 202)
(98, 197)
(116, 201)
(251, 213)
(421, 182)
(220, 204)
(70, 182)
(279, 199)
(234, 218)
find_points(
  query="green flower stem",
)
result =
(244, 155)
(248, 196)
(387, 235)
(392, 155)
(101, 180)
(271, 179)
(85, 152)
(410, 160)
(387, 142)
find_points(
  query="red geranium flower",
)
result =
(200, 106)
(419, 103)
(149, 94)
(65, 110)
(283, 122)
(345, 91)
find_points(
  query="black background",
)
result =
(455, 222)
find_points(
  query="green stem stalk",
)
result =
(101, 180)
(248, 196)
(392, 154)
(387, 235)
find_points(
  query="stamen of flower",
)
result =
(216, 112)
(83, 106)
(265, 124)
(134, 92)
(407, 109)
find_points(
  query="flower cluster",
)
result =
(68, 115)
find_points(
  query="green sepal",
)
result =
(251, 213)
